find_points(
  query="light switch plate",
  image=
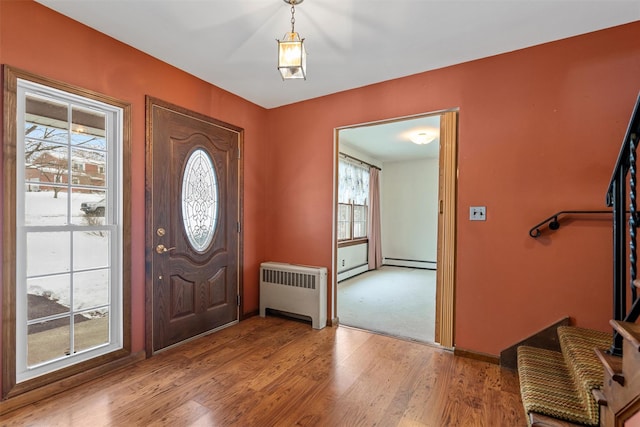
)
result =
(478, 213)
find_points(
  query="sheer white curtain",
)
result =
(375, 242)
(353, 183)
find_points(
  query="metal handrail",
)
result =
(622, 189)
(623, 156)
(554, 220)
(617, 197)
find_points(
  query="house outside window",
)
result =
(69, 286)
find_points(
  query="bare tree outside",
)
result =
(51, 160)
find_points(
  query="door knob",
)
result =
(162, 249)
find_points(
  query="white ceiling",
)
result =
(389, 141)
(350, 43)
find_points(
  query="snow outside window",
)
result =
(69, 232)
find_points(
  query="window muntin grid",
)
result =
(68, 257)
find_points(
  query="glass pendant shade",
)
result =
(423, 138)
(292, 57)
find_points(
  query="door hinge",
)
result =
(238, 227)
(238, 299)
(238, 153)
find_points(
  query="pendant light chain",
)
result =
(293, 15)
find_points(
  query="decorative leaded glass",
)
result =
(199, 200)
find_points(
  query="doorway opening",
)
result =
(408, 291)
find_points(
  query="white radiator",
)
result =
(294, 289)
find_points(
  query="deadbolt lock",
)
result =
(160, 232)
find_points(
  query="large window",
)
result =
(353, 196)
(69, 298)
(68, 301)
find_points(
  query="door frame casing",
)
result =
(447, 214)
(149, 232)
(447, 240)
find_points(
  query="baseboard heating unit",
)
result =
(295, 289)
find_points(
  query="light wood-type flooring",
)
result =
(279, 372)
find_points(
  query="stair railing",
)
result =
(554, 220)
(621, 187)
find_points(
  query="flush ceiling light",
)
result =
(423, 137)
(292, 56)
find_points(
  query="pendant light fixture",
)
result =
(292, 56)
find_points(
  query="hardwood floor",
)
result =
(279, 372)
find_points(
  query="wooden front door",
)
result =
(192, 224)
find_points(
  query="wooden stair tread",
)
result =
(629, 331)
(540, 420)
(612, 364)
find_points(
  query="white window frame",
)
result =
(114, 220)
(363, 201)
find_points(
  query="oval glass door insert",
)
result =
(199, 200)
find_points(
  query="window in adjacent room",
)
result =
(353, 195)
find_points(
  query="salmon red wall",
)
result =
(539, 132)
(38, 40)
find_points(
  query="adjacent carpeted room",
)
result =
(395, 301)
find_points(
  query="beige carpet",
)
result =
(393, 301)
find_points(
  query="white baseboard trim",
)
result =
(397, 262)
(352, 272)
